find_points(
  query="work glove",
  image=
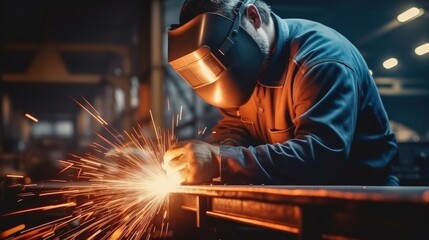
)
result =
(193, 161)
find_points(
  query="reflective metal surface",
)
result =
(305, 212)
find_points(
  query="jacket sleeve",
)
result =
(230, 131)
(325, 105)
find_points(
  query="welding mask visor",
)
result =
(217, 57)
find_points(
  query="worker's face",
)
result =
(260, 39)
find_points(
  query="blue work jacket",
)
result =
(315, 116)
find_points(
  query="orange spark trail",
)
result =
(31, 117)
(14, 176)
(11, 231)
(44, 208)
(113, 193)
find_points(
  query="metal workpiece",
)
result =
(299, 212)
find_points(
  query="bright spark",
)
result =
(11, 231)
(14, 176)
(31, 117)
(114, 193)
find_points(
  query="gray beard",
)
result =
(262, 43)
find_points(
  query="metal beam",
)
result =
(157, 62)
(311, 212)
(48, 65)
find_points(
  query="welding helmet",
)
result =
(217, 57)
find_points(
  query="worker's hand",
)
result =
(194, 161)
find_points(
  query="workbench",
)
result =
(299, 212)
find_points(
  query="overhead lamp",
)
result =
(422, 49)
(390, 63)
(410, 14)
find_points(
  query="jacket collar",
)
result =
(273, 76)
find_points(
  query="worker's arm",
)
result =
(230, 130)
(326, 107)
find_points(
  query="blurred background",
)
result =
(112, 54)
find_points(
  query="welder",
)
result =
(299, 105)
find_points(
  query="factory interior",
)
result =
(73, 72)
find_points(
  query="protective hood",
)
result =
(217, 57)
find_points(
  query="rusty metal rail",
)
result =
(304, 212)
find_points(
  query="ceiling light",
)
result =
(410, 14)
(390, 63)
(422, 49)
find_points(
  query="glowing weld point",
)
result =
(163, 185)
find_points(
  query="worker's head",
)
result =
(192, 8)
(219, 48)
(255, 14)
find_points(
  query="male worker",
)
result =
(298, 102)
